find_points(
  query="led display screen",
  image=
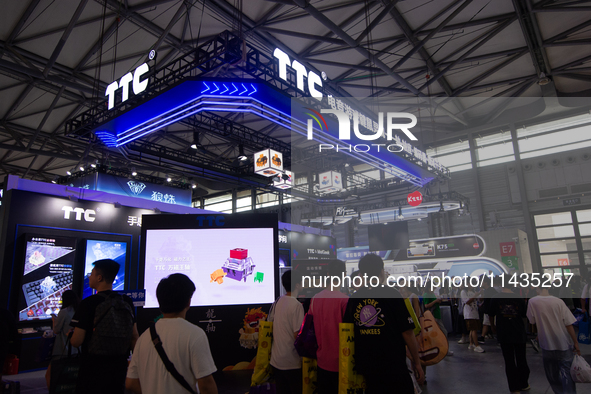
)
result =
(47, 273)
(99, 250)
(229, 266)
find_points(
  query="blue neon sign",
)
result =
(192, 97)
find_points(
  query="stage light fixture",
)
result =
(133, 171)
(82, 168)
(400, 217)
(241, 155)
(169, 179)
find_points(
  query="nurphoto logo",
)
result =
(391, 121)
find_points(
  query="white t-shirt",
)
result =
(470, 309)
(287, 319)
(585, 292)
(551, 316)
(186, 346)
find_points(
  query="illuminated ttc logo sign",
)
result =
(138, 85)
(211, 220)
(87, 214)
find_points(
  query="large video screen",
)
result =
(47, 273)
(99, 250)
(391, 236)
(229, 266)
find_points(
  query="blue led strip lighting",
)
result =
(193, 97)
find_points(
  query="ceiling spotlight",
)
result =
(133, 171)
(419, 219)
(93, 165)
(55, 178)
(400, 217)
(441, 206)
(169, 179)
(69, 172)
(193, 185)
(195, 144)
(241, 155)
(82, 168)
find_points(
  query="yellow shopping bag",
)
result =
(349, 380)
(413, 315)
(309, 375)
(262, 368)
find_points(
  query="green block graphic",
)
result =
(259, 277)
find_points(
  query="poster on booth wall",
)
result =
(47, 273)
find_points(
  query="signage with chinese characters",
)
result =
(147, 191)
(137, 296)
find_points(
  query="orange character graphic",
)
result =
(261, 161)
(218, 276)
(276, 160)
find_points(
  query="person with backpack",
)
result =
(105, 330)
(173, 356)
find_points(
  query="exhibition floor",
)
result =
(466, 371)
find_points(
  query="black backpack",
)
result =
(113, 327)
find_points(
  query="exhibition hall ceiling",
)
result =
(57, 58)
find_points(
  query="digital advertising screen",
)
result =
(99, 250)
(229, 266)
(47, 273)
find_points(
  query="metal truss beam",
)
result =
(420, 33)
(418, 45)
(533, 37)
(487, 73)
(376, 21)
(306, 36)
(16, 30)
(353, 17)
(480, 41)
(300, 15)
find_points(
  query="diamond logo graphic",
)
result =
(136, 187)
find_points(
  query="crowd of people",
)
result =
(174, 356)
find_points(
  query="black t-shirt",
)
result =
(380, 317)
(84, 316)
(510, 311)
(488, 295)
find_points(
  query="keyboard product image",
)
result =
(37, 290)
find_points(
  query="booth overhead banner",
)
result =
(134, 188)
